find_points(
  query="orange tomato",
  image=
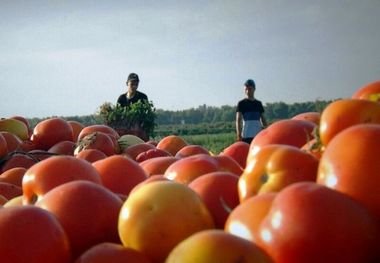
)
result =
(158, 215)
(341, 114)
(218, 190)
(10, 191)
(151, 153)
(187, 169)
(54, 171)
(112, 252)
(228, 164)
(312, 116)
(120, 174)
(370, 91)
(77, 127)
(13, 176)
(216, 246)
(274, 167)
(134, 150)
(98, 128)
(51, 131)
(31, 234)
(18, 160)
(88, 213)
(350, 164)
(171, 144)
(244, 221)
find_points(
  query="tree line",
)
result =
(212, 115)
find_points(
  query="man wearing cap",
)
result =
(250, 117)
(132, 95)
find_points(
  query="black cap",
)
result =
(250, 83)
(133, 77)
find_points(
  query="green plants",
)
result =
(137, 119)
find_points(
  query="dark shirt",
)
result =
(124, 101)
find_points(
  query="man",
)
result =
(132, 95)
(249, 114)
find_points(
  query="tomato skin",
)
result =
(275, 166)
(51, 131)
(312, 116)
(341, 114)
(350, 164)
(31, 234)
(309, 222)
(54, 171)
(370, 91)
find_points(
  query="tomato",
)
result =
(157, 165)
(13, 141)
(228, 164)
(341, 114)
(31, 234)
(158, 215)
(290, 132)
(77, 127)
(112, 252)
(51, 131)
(350, 164)
(245, 219)
(88, 213)
(275, 166)
(134, 150)
(187, 169)
(63, 147)
(3, 146)
(171, 144)
(9, 190)
(238, 151)
(18, 160)
(312, 116)
(120, 174)
(54, 171)
(97, 140)
(98, 128)
(370, 91)
(216, 246)
(91, 155)
(13, 176)
(309, 222)
(151, 153)
(218, 190)
(189, 150)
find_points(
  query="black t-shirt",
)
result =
(250, 109)
(124, 101)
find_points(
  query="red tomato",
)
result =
(88, 213)
(151, 153)
(31, 234)
(312, 116)
(289, 132)
(51, 131)
(308, 222)
(189, 150)
(218, 191)
(187, 169)
(120, 174)
(238, 151)
(350, 164)
(54, 171)
(97, 140)
(274, 167)
(112, 252)
(158, 165)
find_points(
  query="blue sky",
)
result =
(66, 58)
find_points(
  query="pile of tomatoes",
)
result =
(307, 189)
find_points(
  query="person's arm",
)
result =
(238, 126)
(263, 121)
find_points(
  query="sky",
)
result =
(66, 58)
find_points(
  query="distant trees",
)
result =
(220, 118)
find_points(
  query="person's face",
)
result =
(249, 91)
(132, 85)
